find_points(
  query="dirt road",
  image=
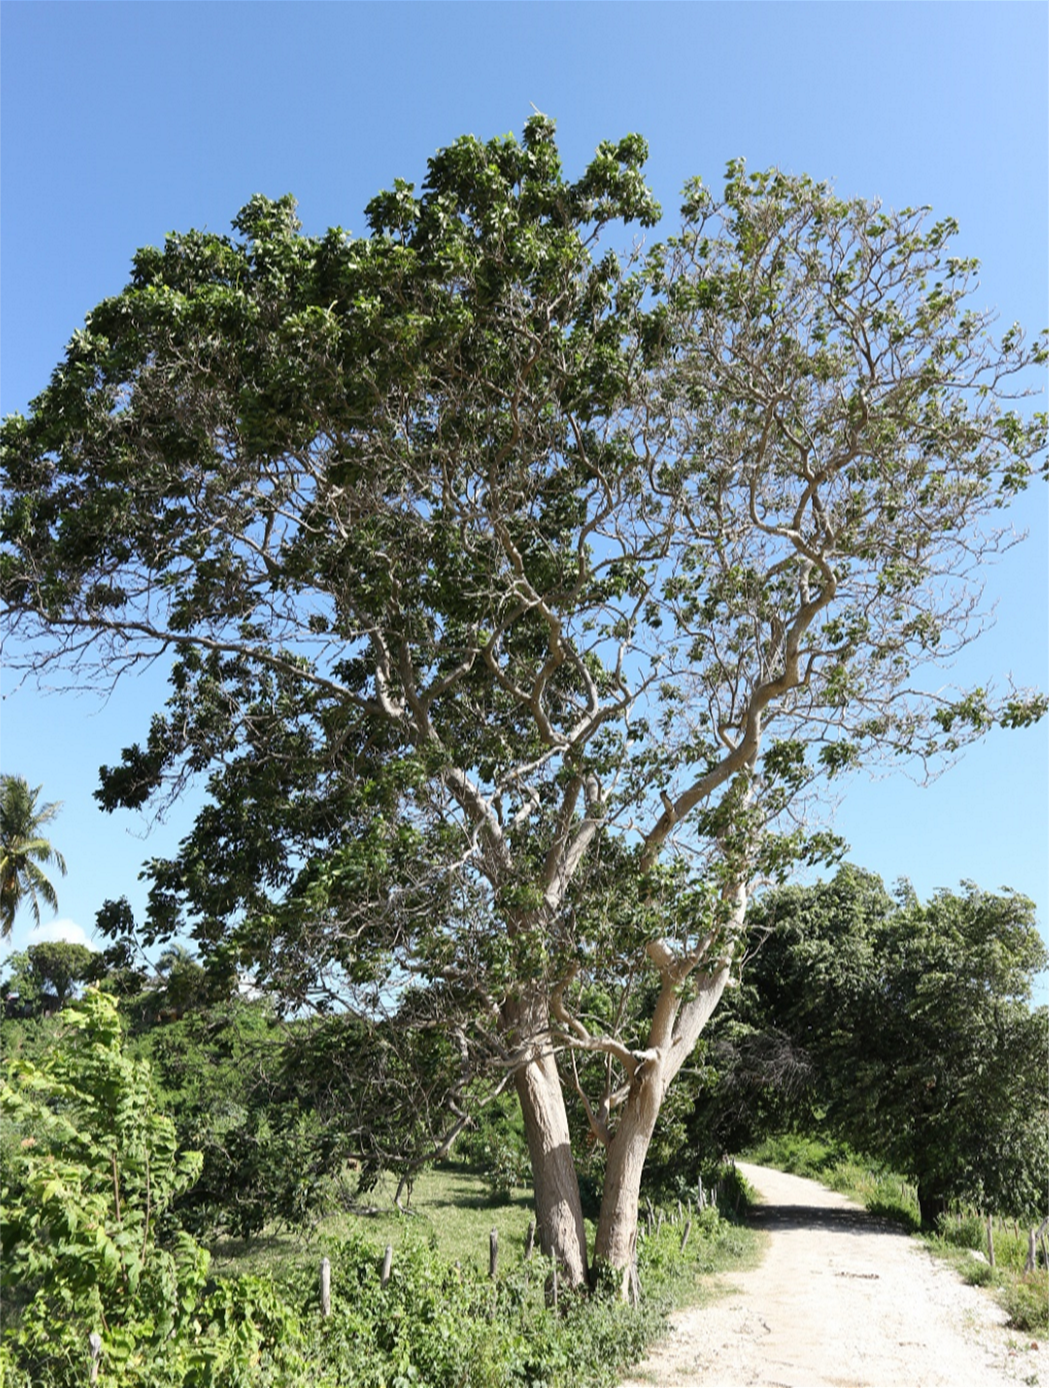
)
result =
(840, 1298)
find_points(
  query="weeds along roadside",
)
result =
(960, 1238)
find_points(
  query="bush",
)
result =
(496, 1148)
(89, 1178)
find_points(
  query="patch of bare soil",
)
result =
(841, 1298)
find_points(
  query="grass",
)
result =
(959, 1234)
(452, 1207)
(450, 1204)
(963, 1233)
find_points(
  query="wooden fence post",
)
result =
(325, 1287)
(95, 1341)
(990, 1239)
(493, 1253)
(1032, 1246)
(387, 1265)
(529, 1240)
(684, 1236)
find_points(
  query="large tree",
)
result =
(518, 590)
(23, 848)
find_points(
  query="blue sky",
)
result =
(121, 122)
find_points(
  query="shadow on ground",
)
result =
(812, 1217)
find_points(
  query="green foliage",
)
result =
(86, 1189)
(1026, 1299)
(906, 1029)
(230, 1077)
(801, 1154)
(94, 1175)
(56, 966)
(23, 848)
(448, 1326)
(495, 1145)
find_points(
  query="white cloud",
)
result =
(61, 929)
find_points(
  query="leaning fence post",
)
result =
(684, 1236)
(95, 1341)
(1039, 1234)
(493, 1253)
(387, 1265)
(529, 1240)
(325, 1287)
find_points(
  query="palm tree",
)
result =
(171, 957)
(22, 848)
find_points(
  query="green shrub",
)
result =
(1026, 1298)
(95, 1171)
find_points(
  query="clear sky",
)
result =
(121, 122)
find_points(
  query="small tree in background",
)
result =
(23, 848)
(58, 966)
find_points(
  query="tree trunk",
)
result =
(616, 1242)
(931, 1204)
(558, 1207)
(674, 1031)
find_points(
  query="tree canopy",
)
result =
(904, 1027)
(519, 585)
(58, 965)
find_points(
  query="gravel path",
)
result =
(840, 1298)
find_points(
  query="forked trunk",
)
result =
(675, 1030)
